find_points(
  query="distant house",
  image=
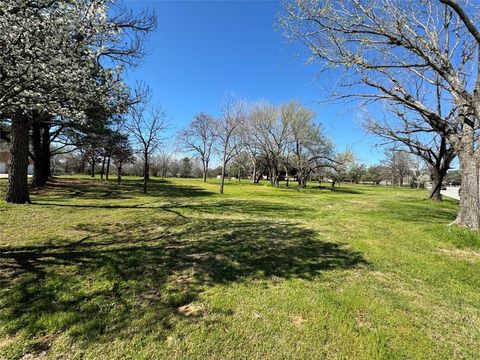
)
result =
(5, 157)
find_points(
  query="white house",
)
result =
(4, 158)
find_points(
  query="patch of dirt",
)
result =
(6, 341)
(41, 348)
(184, 279)
(36, 356)
(297, 321)
(362, 321)
(191, 310)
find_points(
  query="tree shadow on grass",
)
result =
(130, 279)
(222, 206)
(72, 188)
(345, 190)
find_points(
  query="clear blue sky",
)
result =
(202, 50)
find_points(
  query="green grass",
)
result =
(93, 270)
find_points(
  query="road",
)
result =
(451, 192)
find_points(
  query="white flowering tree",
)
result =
(58, 58)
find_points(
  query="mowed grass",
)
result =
(93, 270)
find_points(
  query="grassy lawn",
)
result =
(98, 271)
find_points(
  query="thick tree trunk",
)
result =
(17, 190)
(254, 174)
(437, 177)
(469, 211)
(119, 175)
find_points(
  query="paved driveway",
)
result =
(451, 192)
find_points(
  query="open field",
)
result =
(98, 271)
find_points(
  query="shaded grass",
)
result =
(97, 270)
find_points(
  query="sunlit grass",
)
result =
(96, 270)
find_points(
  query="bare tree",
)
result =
(420, 173)
(418, 138)
(199, 137)
(247, 134)
(146, 125)
(162, 161)
(398, 164)
(310, 149)
(339, 171)
(228, 132)
(270, 134)
(121, 154)
(402, 52)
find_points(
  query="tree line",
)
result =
(277, 142)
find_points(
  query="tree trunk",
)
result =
(254, 175)
(102, 172)
(17, 190)
(205, 170)
(92, 172)
(119, 174)
(274, 180)
(145, 173)
(146, 168)
(437, 177)
(108, 169)
(469, 211)
(222, 180)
